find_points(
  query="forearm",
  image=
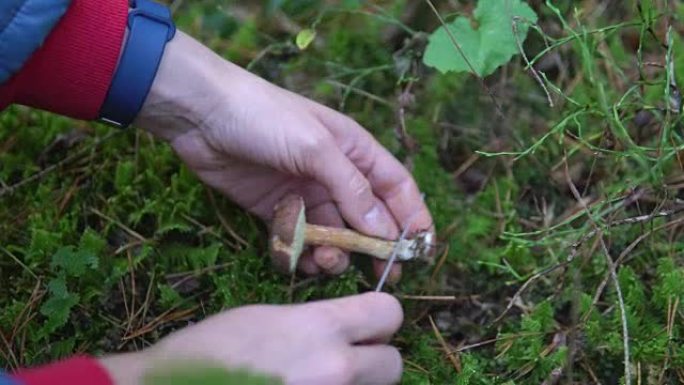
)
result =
(185, 89)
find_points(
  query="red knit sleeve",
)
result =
(74, 371)
(71, 73)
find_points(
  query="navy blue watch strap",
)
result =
(6, 380)
(150, 27)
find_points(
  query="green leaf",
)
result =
(58, 307)
(92, 241)
(204, 257)
(304, 38)
(487, 47)
(73, 262)
(124, 175)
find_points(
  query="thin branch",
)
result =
(438, 298)
(119, 224)
(524, 287)
(613, 275)
(453, 357)
(533, 71)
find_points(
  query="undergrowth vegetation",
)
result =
(555, 184)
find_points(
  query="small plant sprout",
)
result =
(290, 233)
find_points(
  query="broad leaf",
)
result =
(488, 46)
(58, 307)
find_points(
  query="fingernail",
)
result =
(377, 222)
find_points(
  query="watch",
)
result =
(150, 28)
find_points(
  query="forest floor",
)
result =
(556, 192)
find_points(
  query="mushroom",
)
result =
(290, 233)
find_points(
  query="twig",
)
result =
(10, 353)
(209, 230)
(438, 298)
(533, 71)
(350, 88)
(525, 285)
(613, 274)
(125, 228)
(224, 223)
(671, 316)
(440, 264)
(494, 340)
(180, 314)
(453, 357)
(184, 277)
(19, 262)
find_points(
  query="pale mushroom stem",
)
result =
(348, 240)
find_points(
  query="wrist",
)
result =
(187, 88)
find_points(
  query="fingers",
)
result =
(329, 259)
(307, 264)
(377, 364)
(352, 193)
(389, 179)
(366, 317)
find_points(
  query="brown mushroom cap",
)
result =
(287, 232)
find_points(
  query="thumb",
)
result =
(352, 193)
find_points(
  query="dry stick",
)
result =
(439, 298)
(133, 288)
(416, 366)
(527, 283)
(10, 352)
(146, 304)
(36, 295)
(440, 264)
(211, 231)
(19, 262)
(671, 315)
(533, 71)
(361, 92)
(453, 357)
(613, 274)
(176, 315)
(494, 340)
(460, 51)
(224, 223)
(120, 224)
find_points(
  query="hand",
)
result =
(335, 342)
(256, 142)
